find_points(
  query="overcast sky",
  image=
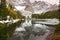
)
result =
(49, 1)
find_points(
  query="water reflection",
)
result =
(33, 31)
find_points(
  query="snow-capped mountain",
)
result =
(41, 6)
(35, 7)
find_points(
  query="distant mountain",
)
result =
(35, 7)
(53, 7)
(42, 7)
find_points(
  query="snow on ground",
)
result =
(9, 21)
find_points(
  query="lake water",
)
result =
(35, 29)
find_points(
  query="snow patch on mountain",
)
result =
(36, 7)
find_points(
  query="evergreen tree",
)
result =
(59, 7)
(3, 15)
(3, 9)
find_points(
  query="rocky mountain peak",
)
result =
(36, 6)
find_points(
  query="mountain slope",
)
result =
(37, 6)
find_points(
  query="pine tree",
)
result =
(3, 15)
(3, 9)
(59, 7)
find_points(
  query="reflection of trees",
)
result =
(12, 27)
(5, 31)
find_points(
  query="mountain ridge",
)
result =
(37, 6)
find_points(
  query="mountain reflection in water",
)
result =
(34, 31)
